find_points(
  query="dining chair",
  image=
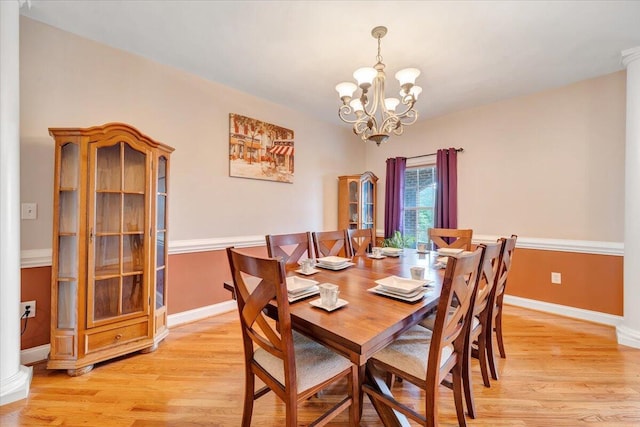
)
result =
(288, 363)
(481, 321)
(451, 238)
(328, 243)
(501, 283)
(361, 240)
(425, 358)
(290, 247)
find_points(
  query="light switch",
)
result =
(29, 211)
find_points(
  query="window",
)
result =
(419, 202)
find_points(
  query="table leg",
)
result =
(389, 417)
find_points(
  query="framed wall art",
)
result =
(260, 150)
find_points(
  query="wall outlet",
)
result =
(32, 308)
(556, 278)
(29, 211)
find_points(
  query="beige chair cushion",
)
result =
(410, 352)
(315, 363)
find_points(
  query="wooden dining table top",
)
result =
(369, 321)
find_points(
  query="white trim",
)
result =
(627, 336)
(42, 257)
(561, 245)
(563, 310)
(200, 313)
(17, 386)
(32, 355)
(35, 258)
(213, 244)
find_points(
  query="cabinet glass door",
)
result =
(161, 233)
(67, 251)
(117, 232)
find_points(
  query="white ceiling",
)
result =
(294, 52)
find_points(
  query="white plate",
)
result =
(449, 251)
(332, 260)
(391, 251)
(397, 284)
(335, 267)
(381, 291)
(309, 273)
(314, 290)
(376, 257)
(296, 285)
(318, 303)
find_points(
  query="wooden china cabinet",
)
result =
(109, 269)
(357, 201)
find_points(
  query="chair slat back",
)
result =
(451, 238)
(290, 247)
(488, 275)
(257, 282)
(505, 266)
(361, 240)
(332, 243)
(452, 322)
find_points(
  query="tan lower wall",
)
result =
(590, 282)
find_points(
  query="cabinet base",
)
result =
(151, 349)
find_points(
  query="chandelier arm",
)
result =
(346, 110)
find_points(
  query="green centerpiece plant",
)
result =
(397, 240)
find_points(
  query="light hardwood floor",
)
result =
(559, 372)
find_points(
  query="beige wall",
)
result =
(68, 81)
(548, 165)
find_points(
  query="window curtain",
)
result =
(446, 189)
(394, 195)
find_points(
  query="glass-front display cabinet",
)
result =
(109, 253)
(357, 201)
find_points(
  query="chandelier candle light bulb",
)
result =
(373, 116)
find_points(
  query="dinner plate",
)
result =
(314, 290)
(376, 257)
(308, 273)
(332, 260)
(401, 285)
(391, 251)
(296, 285)
(449, 251)
(381, 291)
(335, 267)
(318, 303)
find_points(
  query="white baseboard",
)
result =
(627, 336)
(35, 354)
(200, 313)
(563, 310)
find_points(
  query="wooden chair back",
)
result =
(361, 240)
(481, 320)
(451, 238)
(332, 243)
(290, 247)
(270, 345)
(501, 283)
(257, 282)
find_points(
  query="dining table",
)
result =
(368, 321)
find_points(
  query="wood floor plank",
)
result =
(558, 372)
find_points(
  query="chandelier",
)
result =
(373, 116)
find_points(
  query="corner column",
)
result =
(628, 331)
(14, 378)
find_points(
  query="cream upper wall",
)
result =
(68, 81)
(548, 165)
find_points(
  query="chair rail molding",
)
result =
(42, 257)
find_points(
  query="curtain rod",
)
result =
(459, 150)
